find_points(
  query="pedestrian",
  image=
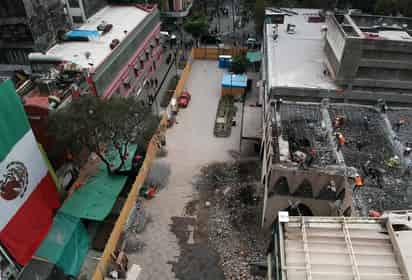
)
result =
(358, 182)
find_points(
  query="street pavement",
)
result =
(190, 145)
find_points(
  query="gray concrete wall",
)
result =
(350, 61)
(315, 195)
(360, 96)
(332, 59)
(335, 37)
(47, 20)
(12, 8)
(36, 30)
(93, 6)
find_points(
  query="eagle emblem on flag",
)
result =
(14, 181)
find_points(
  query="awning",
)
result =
(95, 199)
(254, 56)
(233, 80)
(66, 244)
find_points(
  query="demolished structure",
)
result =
(312, 145)
(376, 149)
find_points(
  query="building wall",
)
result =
(132, 62)
(34, 26)
(372, 63)
(92, 6)
(11, 8)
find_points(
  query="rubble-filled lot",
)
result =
(228, 212)
(302, 128)
(368, 149)
(405, 131)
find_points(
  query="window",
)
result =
(77, 19)
(74, 4)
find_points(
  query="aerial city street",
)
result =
(205, 139)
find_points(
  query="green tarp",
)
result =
(254, 56)
(66, 244)
(95, 199)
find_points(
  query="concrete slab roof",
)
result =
(252, 126)
(123, 18)
(297, 60)
(345, 248)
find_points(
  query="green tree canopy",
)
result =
(239, 64)
(196, 26)
(91, 123)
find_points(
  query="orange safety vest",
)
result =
(342, 139)
(358, 181)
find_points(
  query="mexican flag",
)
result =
(28, 194)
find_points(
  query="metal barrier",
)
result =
(213, 53)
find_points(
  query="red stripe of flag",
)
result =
(33, 219)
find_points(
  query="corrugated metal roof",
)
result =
(344, 248)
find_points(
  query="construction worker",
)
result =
(338, 122)
(393, 162)
(366, 123)
(340, 140)
(358, 182)
(359, 144)
(399, 124)
(310, 157)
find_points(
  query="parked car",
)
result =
(184, 99)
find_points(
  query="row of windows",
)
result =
(142, 67)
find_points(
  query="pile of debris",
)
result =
(304, 130)
(367, 148)
(228, 190)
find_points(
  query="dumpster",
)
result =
(225, 61)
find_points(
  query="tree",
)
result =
(97, 125)
(239, 64)
(259, 15)
(386, 7)
(196, 26)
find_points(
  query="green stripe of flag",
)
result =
(13, 119)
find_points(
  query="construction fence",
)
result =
(214, 53)
(153, 148)
(133, 195)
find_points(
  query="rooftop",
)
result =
(123, 18)
(296, 59)
(346, 248)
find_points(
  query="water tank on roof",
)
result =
(41, 57)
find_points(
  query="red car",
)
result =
(184, 99)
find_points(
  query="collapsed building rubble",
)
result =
(372, 162)
(228, 196)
